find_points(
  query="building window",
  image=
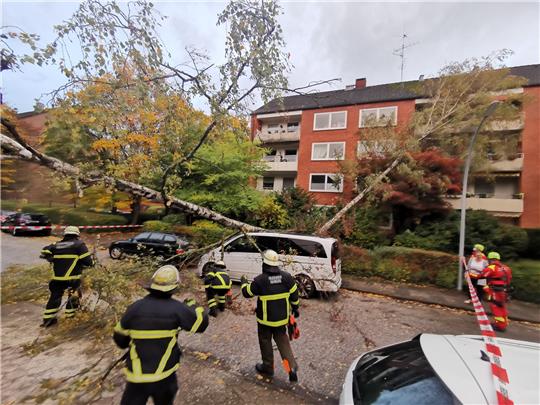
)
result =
(270, 156)
(268, 183)
(378, 117)
(290, 155)
(273, 128)
(328, 151)
(330, 120)
(483, 188)
(293, 126)
(326, 182)
(288, 182)
(379, 148)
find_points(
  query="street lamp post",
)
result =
(487, 113)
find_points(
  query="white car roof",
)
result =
(293, 236)
(457, 361)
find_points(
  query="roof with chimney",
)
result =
(360, 94)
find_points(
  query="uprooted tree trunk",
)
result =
(19, 147)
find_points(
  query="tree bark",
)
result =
(135, 210)
(21, 149)
(326, 227)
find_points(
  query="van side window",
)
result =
(267, 242)
(241, 245)
(300, 247)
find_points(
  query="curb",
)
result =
(360, 285)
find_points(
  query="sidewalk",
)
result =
(518, 310)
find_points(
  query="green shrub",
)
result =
(158, 226)
(66, 215)
(356, 261)
(175, 219)
(365, 230)
(510, 241)
(526, 280)
(533, 248)
(207, 232)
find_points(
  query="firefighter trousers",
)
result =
(279, 334)
(497, 305)
(216, 297)
(57, 289)
(162, 392)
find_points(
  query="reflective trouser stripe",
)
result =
(212, 303)
(221, 299)
(48, 316)
(51, 310)
(70, 312)
(65, 278)
(195, 327)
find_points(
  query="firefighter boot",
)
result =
(213, 312)
(293, 376)
(262, 369)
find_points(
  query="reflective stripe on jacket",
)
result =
(68, 257)
(217, 280)
(150, 329)
(277, 294)
(497, 274)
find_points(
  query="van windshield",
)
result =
(398, 374)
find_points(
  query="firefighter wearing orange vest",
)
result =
(498, 277)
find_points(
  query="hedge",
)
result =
(430, 267)
(66, 215)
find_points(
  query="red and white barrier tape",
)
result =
(41, 228)
(500, 376)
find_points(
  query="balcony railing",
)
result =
(287, 165)
(491, 203)
(283, 135)
(514, 165)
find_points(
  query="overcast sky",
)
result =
(326, 40)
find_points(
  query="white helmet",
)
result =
(72, 230)
(271, 258)
(220, 263)
(166, 279)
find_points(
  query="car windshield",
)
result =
(399, 374)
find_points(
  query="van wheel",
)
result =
(306, 287)
(206, 269)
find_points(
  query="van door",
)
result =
(240, 257)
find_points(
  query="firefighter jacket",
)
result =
(217, 279)
(68, 257)
(498, 276)
(277, 295)
(150, 329)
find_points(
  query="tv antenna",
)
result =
(401, 52)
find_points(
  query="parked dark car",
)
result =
(148, 243)
(26, 219)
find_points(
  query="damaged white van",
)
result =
(313, 261)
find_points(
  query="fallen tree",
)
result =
(16, 146)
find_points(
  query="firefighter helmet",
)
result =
(494, 256)
(72, 230)
(271, 258)
(220, 263)
(165, 279)
(479, 247)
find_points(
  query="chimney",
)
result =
(360, 83)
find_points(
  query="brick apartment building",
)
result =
(308, 133)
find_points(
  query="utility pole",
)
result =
(401, 52)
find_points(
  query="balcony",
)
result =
(283, 135)
(497, 206)
(514, 165)
(507, 125)
(277, 165)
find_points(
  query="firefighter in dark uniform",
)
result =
(217, 285)
(277, 296)
(150, 329)
(68, 257)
